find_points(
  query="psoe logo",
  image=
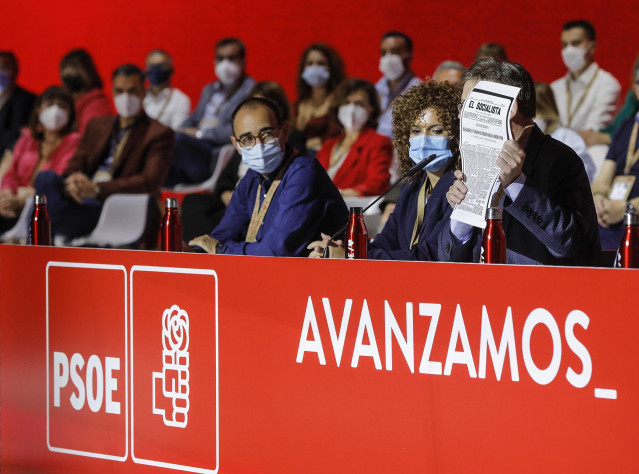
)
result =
(174, 378)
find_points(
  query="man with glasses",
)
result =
(207, 129)
(283, 202)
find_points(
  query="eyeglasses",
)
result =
(265, 136)
(460, 106)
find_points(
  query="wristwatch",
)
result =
(198, 134)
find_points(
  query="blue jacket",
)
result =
(393, 242)
(305, 204)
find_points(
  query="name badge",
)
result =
(621, 187)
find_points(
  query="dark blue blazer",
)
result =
(393, 242)
(552, 221)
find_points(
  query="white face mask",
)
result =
(352, 116)
(127, 105)
(54, 118)
(316, 76)
(574, 58)
(392, 66)
(227, 72)
(263, 158)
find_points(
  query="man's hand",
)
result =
(336, 249)
(613, 211)
(206, 242)
(510, 161)
(225, 197)
(600, 200)
(457, 191)
(79, 186)
(190, 131)
(9, 204)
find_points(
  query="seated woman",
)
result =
(358, 159)
(611, 194)
(48, 144)
(547, 119)
(321, 70)
(424, 123)
(81, 79)
(203, 212)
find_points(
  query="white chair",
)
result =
(20, 230)
(225, 155)
(122, 222)
(371, 217)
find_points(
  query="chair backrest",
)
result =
(223, 157)
(122, 221)
(21, 228)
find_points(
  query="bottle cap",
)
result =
(493, 213)
(39, 199)
(356, 210)
(630, 217)
(171, 203)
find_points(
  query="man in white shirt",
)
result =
(166, 104)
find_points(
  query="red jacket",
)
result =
(366, 167)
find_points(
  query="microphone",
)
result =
(415, 169)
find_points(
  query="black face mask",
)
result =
(73, 82)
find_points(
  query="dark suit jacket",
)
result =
(551, 222)
(14, 114)
(143, 163)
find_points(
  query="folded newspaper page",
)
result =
(485, 126)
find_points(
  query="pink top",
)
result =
(26, 155)
(92, 104)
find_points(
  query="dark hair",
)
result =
(583, 24)
(335, 70)
(254, 103)
(547, 106)
(443, 97)
(274, 92)
(349, 86)
(12, 59)
(128, 70)
(51, 93)
(491, 50)
(399, 34)
(81, 59)
(228, 41)
(513, 74)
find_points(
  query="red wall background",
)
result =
(117, 31)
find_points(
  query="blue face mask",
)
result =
(263, 158)
(422, 146)
(158, 75)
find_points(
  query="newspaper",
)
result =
(485, 126)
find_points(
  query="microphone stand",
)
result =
(418, 167)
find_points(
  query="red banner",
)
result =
(126, 361)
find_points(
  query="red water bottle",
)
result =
(356, 237)
(171, 231)
(628, 254)
(493, 246)
(40, 225)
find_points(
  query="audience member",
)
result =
(547, 119)
(48, 144)
(208, 128)
(283, 200)
(450, 71)
(616, 184)
(358, 159)
(587, 96)
(81, 79)
(129, 153)
(424, 123)
(202, 212)
(491, 50)
(166, 104)
(394, 63)
(549, 217)
(321, 70)
(16, 103)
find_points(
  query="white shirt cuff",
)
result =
(514, 188)
(461, 231)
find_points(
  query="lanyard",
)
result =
(632, 155)
(571, 115)
(118, 150)
(259, 212)
(421, 206)
(166, 103)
